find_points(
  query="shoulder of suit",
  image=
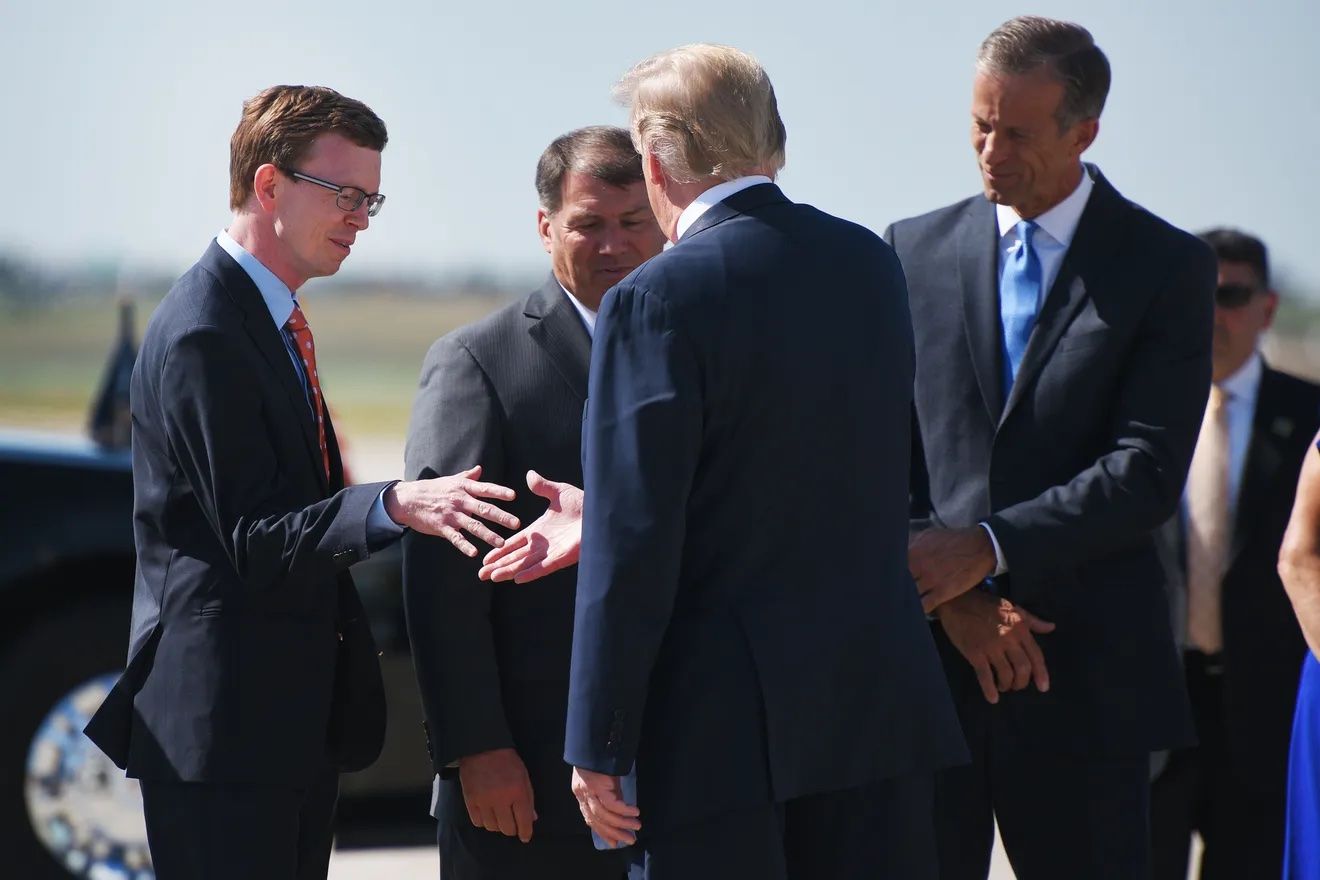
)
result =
(493, 330)
(940, 216)
(1304, 391)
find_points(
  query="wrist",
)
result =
(397, 500)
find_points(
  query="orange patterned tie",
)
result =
(302, 337)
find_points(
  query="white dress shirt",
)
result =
(588, 315)
(1058, 225)
(712, 197)
(280, 302)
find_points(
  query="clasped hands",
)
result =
(995, 636)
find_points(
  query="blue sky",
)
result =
(119, 115)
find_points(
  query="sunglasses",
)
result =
(1234, 296)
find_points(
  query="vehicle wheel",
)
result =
(65, 810)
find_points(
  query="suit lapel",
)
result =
(557, 327)
(978, 269)
(1271, 426)
(1085, 258)
(259, 326)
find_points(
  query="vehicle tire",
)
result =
(65, 810)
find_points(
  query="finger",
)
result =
(1003, 672)
(1017, 658)
(541, 568)
(519, 562)
(523, 817)
(1039, 673)
(539, 485)
(510, 544)
(474, 813)
(489, 490)
(1035, 624)
(455, 537)
(487, 511)
(508, 826)
(477, 529)
(987, 681)
(617, 806)
(611, 827)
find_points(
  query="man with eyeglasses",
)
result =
(1242, 646)
(252, 677)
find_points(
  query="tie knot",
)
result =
(297, 320)
(1025, 230)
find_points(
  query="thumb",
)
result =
(472, 473)
(541, 486)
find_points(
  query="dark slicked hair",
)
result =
(1236, 246)
(603, 152)
(280, 123)
(1065, 50)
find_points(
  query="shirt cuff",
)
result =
(1001, 567)
(381, 530)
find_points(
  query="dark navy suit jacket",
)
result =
(1082, 461)
(746, 627)
(250, 659)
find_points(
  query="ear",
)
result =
(266, 182)
(543, 228)
(1271, 308)
(655, 172)
(1084, 134)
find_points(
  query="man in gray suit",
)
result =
(492, 660)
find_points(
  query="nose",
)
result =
(613, 240)
(359, 218)
(992, 147)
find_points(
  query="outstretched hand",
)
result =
(550, 543)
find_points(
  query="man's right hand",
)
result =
(996, 638)
(449, 506)
(498, 792)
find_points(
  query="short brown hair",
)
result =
(603, 152)
(705, 111)
(280, 123)
(1065, 50)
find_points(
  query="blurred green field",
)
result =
(369, 352)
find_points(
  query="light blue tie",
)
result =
(1019, 300)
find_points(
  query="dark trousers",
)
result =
(205, 831)
(1060, 816)
(1240, 820)
(880, 831)
(471, 853)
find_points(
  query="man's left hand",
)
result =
(948, 562)
(601, 800)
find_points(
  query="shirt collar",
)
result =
(712, 197)
(1242, 385)
(1059, 222)
(588, 315)
(279, 299)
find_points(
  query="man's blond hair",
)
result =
(704, 111)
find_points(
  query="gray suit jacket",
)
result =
(492, 659)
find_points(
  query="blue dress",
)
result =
(1301, 855)
(1301, 852)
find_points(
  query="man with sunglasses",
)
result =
(1242, 646)
(252, 678)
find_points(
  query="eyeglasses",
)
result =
(1234, 296)
(350, 197)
